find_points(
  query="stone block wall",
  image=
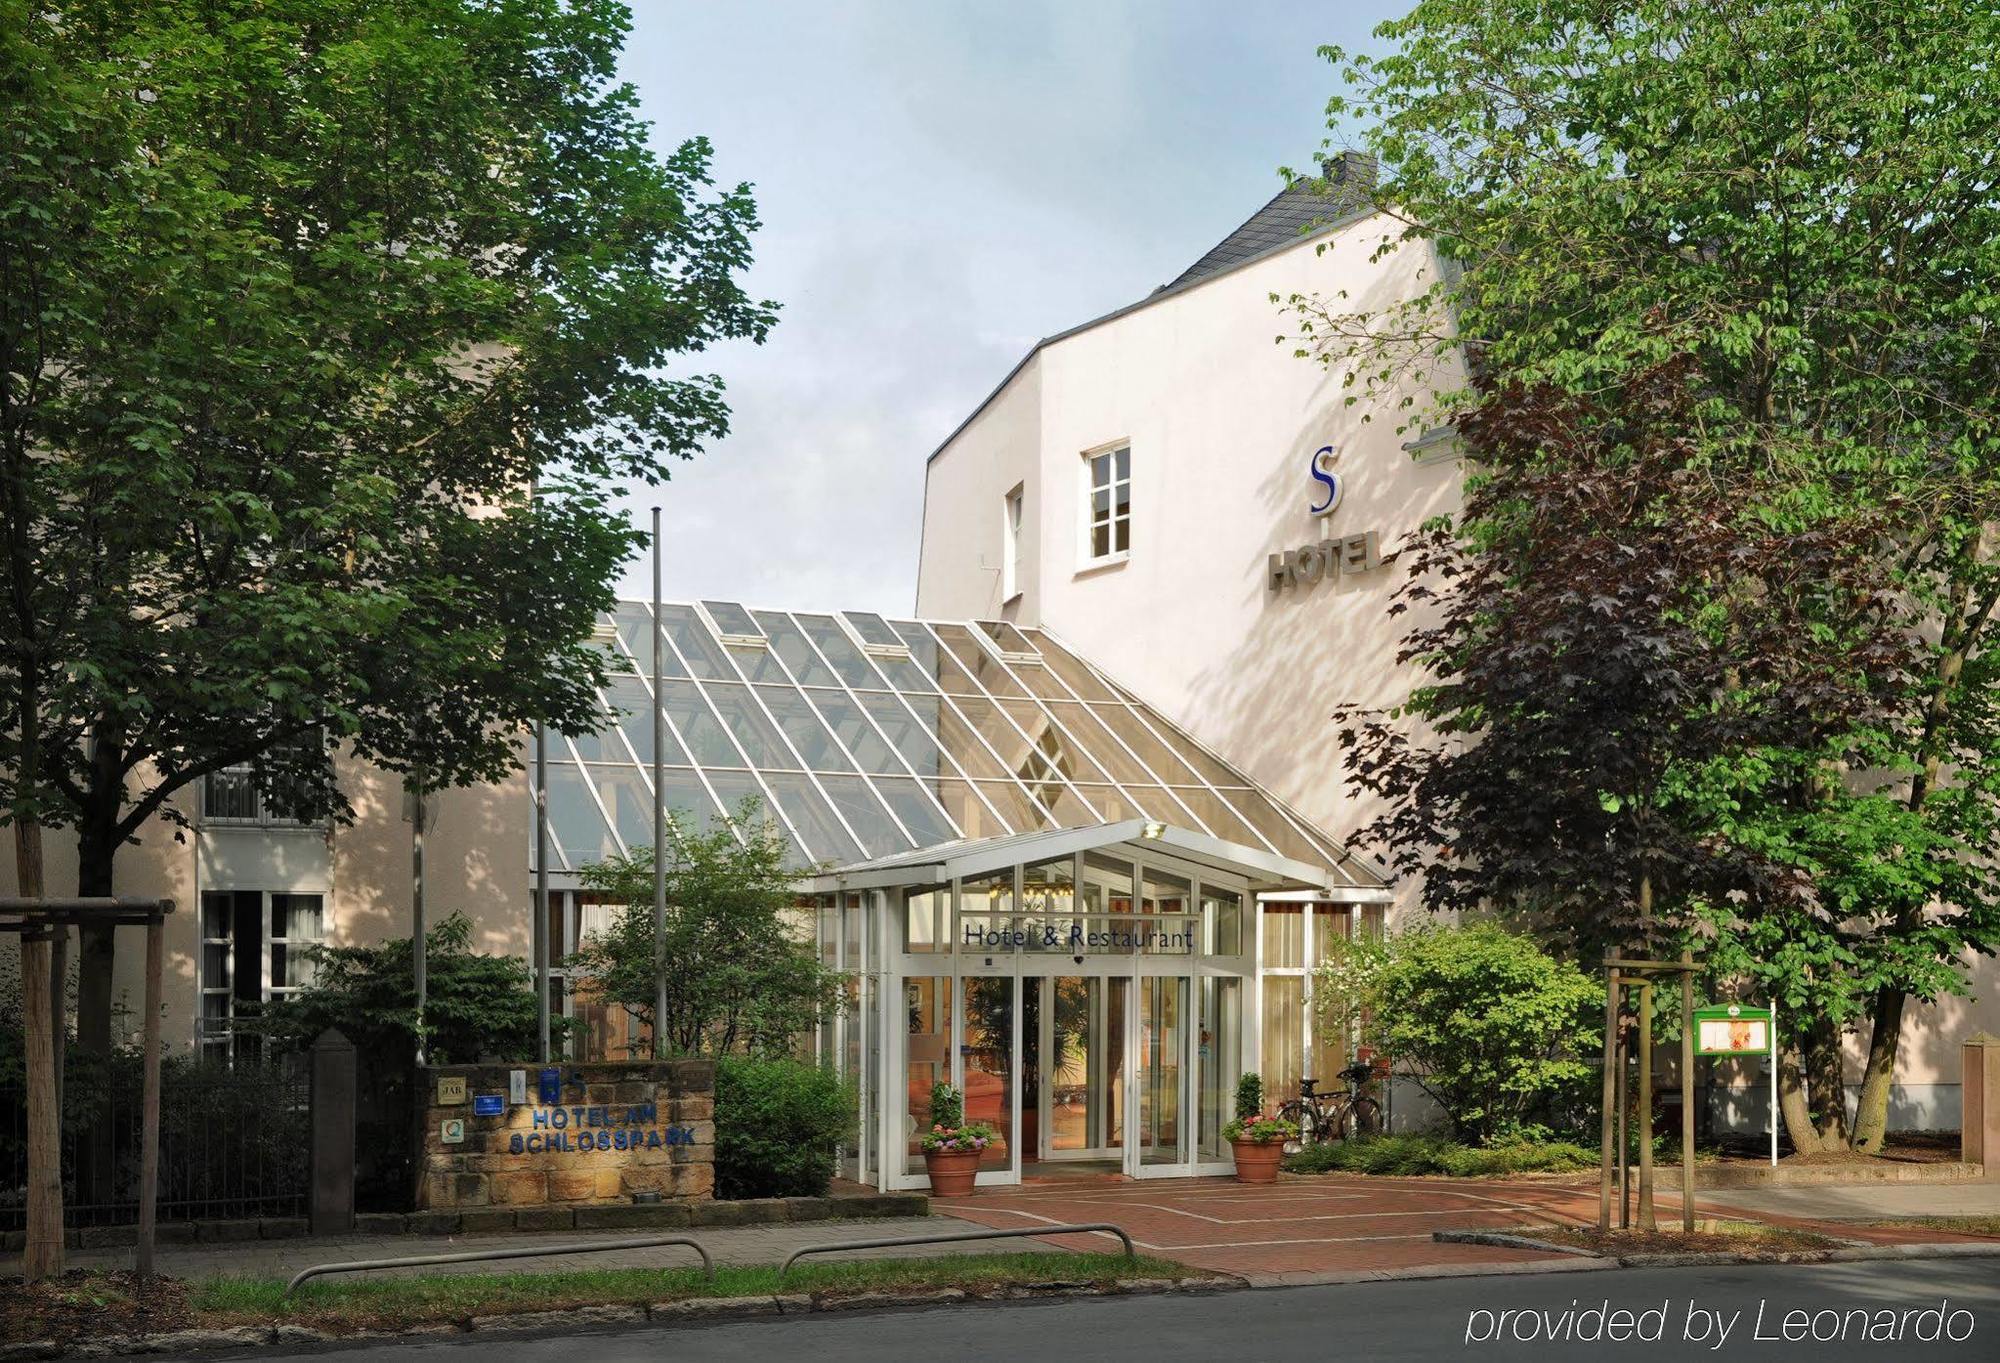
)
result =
(581, 1135)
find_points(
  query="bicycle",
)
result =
(1337, 1115)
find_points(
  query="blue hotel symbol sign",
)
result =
(548, 1086)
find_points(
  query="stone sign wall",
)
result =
(566, 1135)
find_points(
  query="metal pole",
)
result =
(1772, 1055)
(1624, 1136)
(539, 934)
(659, 815)
(1687, 1091)
(1610, 1103)
(419, 947)
(1645, 1117)
(149, 1129)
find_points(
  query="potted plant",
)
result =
(1259, 1141)
(953, 1147)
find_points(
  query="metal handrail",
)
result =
(521, 1252)
(949, 1237)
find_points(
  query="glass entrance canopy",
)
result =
(867, 739)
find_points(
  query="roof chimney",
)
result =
(1350, 177)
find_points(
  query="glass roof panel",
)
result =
(635, 630)
(918, 744)
(799, 655)
(873, 629)
(924, 820)
(834, 645)
(1142, 741)
(755, 734)
(739, 791)
(730, 617)
(624, 790)
(987, 670)
(1271, 822)
(963, 729)
(847, 721)
(923, 648)
(1220, 816)
(704, 655)
(697, 725)
(1062, 749)
(963, 805)
(814, 818)
(574, 818)
(633, 703)
(801, 723)
(865, 815)
(1098, 741)
(904, 674)
(1207, 767)
(1014, 805)
(1003, 633)
(688, 804)
(758, 663)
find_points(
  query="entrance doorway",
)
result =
(1073, 1064)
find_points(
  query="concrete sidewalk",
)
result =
(764, 1244)
(1862, 1201)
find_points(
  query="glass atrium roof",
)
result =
(869, 737)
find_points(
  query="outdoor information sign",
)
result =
(1741, 1029)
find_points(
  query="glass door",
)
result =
(990, 1040)
(1163, 1072)
(1076, 1067)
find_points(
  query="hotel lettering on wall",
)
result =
(1332, 556)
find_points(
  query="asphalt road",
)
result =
(1439, 1318)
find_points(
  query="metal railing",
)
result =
(521, 1252)
(952, 1237)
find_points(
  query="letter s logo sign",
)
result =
(1327, 478)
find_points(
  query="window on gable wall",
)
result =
(1010, 544)
(1108, 503)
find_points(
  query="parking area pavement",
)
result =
(1298, 1230)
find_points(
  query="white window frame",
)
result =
(1108, 457)
(219, 1042)
(1012, 512)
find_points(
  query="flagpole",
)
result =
(659, 815)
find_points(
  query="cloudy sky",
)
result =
(942, 183)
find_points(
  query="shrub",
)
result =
(1492, 1027)
(777, 1123)
(1409, 1156)
(1249, 1097)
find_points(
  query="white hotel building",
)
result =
(1075, 826)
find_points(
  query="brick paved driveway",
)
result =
(1300, 1229)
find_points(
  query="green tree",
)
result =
(743, 971)
(475, 1005)
(1490, 1025)
(1797, 197)
(327, 330)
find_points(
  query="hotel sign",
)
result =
(1330, 557)
(1732, 1029)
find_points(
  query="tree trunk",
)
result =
(96, 848)
(1792, 1102)
(1826, 1083)
(1871, 1111)
(42, 1256)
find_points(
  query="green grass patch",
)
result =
(376, 1302)
(1410, 1156)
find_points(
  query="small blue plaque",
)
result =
(548, 1084)
(488, 1105)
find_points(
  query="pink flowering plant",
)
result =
(950, 1132)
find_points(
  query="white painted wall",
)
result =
(1222, 420)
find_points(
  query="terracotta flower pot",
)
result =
(1257, 1161)
(953, 1172)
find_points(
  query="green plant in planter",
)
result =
(949, 1131)
(1250, 1123)
(1249, 1096)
